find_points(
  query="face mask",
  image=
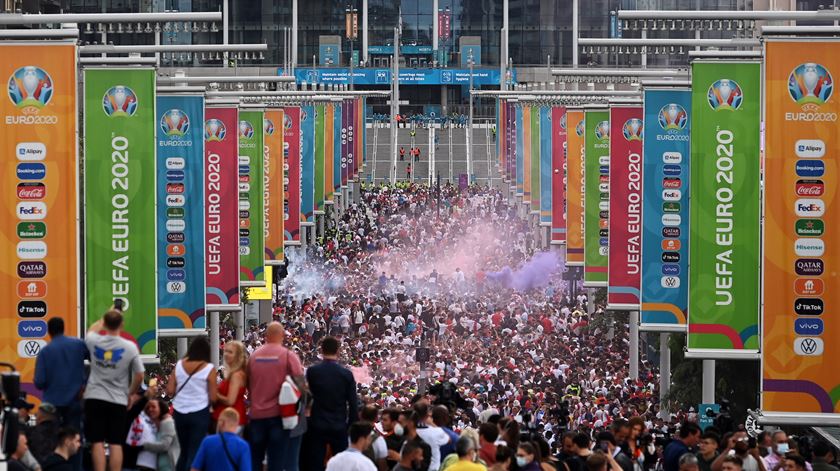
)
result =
(398, 430)
(521, 461)
(782, 448)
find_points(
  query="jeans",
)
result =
(269, 436)
(191, 429)
(71, 416)
(315, 444)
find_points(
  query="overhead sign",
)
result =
(801, 254)
(597, 198)
(665, 284)
(407, 76)
(119, 170)
(723, 280)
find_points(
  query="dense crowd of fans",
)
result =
(425, 331)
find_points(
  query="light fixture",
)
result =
(88, 29)
(214, 28)
(204, 28)
(167, 27)
(110, 28)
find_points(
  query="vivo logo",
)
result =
(803, 326)
(32, 329)
(670, 269)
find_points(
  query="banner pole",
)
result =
(634, 344)
(182, 347)
(240, 322)
(708, 381)
(214, 338)
(664, 374)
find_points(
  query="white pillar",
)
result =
(435, 30)
(575, 31)
(214, 337)
(708, 381)
(634, 344)
(365, 32)
(320, 219)
(664, 373)
(294, 33)
(504, 52)
(225, 28)
(182, 347)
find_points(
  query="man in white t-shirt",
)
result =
(353, 459)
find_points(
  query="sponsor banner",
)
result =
(329, 152)
(337, 147)
(358, 132)
(534, 159)
(221, 202)
(120, 246)
(291, 160)
(40, 234)
(265, 291)
(596, 197)
(724, 224)
(273, 168)
(545, 165)
(347, 170)
(558, 175)
(319, 159)
(665, 223)
(501, 140)
(519, 146)
(307, 164)
(180, 265)
(575, 182)
(251, 202)
(625, 206)
(800, 260)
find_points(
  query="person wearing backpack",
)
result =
(192, 387)
(268, 368)
(224, 451)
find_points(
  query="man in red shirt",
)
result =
(267, 369)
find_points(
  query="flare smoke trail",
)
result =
(533, 274)
(306, 279)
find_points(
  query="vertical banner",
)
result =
(120, 219)
(596, 192)
(724, 241)
(535, 159)
(329, 153)
(307, 165)
(519, 143)
(801, 211)
(180, 234)
(545, 165)
(625, 222)
(510, 153)
(251, 215)
(345, 142)
(501, 141)
(575, 162)
(40, 271)
(558, 175)
(291, 164)
(351, 140)
(337, 147)
(221, 190)
(664, 210)
(319, 159)
(358, 131)
(274, 178)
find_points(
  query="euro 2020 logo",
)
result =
(580, 129)
(119, 101)
(30, 88)
(175, 123)
(268, 127)
(563, 122)
(214, 130)
(810, 85)
(633, 129)
(246, 130)
(673, 117)
(602, 131)
(287, 122)
(725, 94)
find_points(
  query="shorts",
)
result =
(105, 422)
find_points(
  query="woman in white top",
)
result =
(192, 385)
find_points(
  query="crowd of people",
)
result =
(425, 331)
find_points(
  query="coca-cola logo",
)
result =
(31, 191)
(810, 188)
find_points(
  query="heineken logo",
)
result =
(810, 227)
(31, 230)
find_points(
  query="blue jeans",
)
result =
(191, 429)
(269, 436)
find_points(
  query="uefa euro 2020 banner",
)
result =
(291, 185)
(221, 190)
(180, 212)
(39, 233)
(596, 198)
(319, 158)
(575, 162)
(665, 209)
(625, 222)
(273, 168)
(519, 145)
(546, 136)
(801, 254)
(119, 171)
(307, 165)
(337, 124)
(558, 175)
(329, 153)
(724, 241)
(534, 161)
(251, 215)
